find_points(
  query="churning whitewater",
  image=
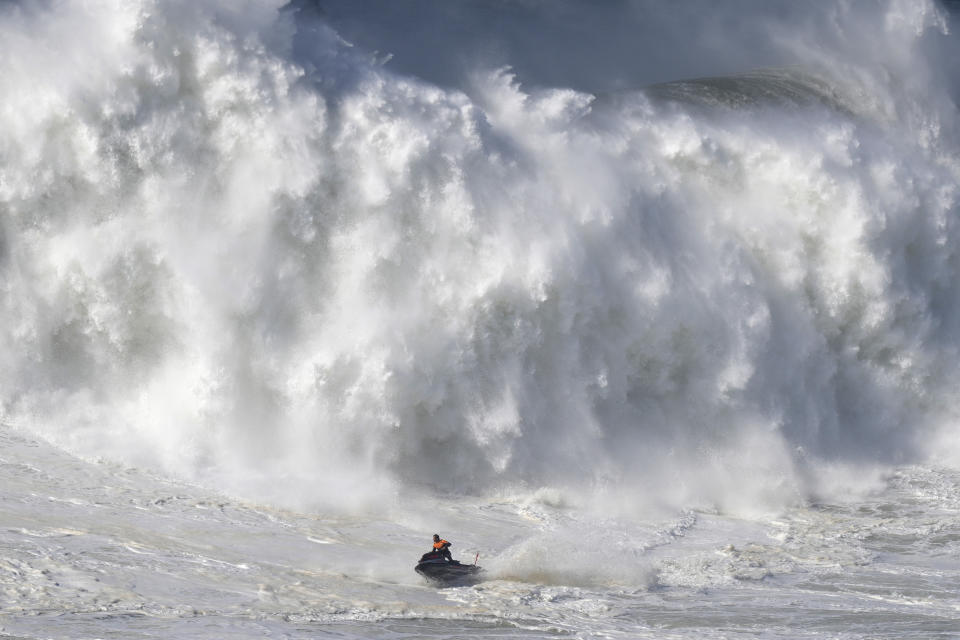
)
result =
(656, 308)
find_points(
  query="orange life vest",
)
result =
(439, 545)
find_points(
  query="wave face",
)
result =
(236, 248)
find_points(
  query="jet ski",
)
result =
(433, 566)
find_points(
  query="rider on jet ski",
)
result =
(438, 566)
(442, 547)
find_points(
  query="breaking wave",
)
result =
(239, 249)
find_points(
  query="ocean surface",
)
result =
(651, 309)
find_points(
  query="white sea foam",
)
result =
(238, 249)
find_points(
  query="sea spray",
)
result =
(281, 269)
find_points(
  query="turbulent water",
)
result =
(655, 308)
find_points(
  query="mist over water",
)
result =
(709, 263)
